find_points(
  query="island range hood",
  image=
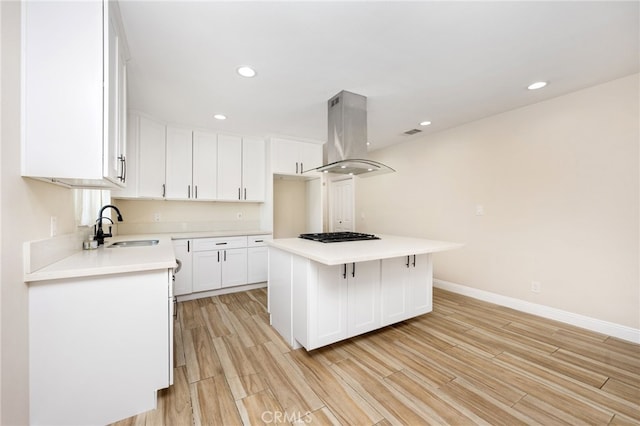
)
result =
(346, 149)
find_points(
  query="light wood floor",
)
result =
(467, 362)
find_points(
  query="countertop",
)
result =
(386, 247)
(105, 260)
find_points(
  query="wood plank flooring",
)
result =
(467, 362)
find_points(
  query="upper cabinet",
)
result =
(74, 94)
(241, 168)
(145, 159)
(291, 157)
(191, 165)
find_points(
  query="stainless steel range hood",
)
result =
(346, 149)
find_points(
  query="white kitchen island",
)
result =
(321, 293)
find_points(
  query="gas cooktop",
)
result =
(337, 237)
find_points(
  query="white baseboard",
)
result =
(610, 329)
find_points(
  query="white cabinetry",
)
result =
(253, 169)
(219, 262)
(145, 159)
(229, 167)
(178, 164)
(74, 93)
(257, 258)
(333, 302)
(100, 347)
(205, 171)
(191, 165)
(406, 287)
(290, 157)
(241, 168)
(183, 283)
(222, 262)
(313, 304)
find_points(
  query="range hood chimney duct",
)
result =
(346, 149)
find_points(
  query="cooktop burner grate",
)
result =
(336, 237)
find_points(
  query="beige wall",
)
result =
(26, 207)
(559, 184)
(289, 208)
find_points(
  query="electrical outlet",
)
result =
(535, 286)
(479, 210)
(54, 226)
(239, 216)
(156, 217)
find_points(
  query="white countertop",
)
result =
(386, 247)
(214, 234)
(105, 260)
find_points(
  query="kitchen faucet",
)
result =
(99, 233)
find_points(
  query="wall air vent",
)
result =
(412, 132)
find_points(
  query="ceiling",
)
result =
(446, 62)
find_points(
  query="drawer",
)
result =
(220, 243)
(258, 240)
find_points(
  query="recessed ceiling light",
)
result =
(246, 71)
(368, 143)
(220, 117)
(425, 123)
(343, 167)
(537, 85)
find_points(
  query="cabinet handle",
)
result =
(407, 261)
(175, 308)
(414, 260)
(124, 164)
(164, 190)
(344, 272)
(196, 190)
(353, 270)
(188, 191)
(218, 257)
(188, 246)
(301, 168)
(239, 194)
(296, 167)
(245, 193)
(225, 255)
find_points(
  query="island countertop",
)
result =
(336, 253)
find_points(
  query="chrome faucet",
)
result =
(99, 233)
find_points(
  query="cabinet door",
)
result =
(179, 156)
(284, 157)
(183, 279)
(363, 297)
(395, 290)
(205, 166)
(327, 306)
(229, 167)
(309, 156)
(112, 132)
(421, 284)
(253, 169)
(257, 258)
(234, 267)
(207, 266)
(150, 161)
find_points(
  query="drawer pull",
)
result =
(258, 241)
(220, 244)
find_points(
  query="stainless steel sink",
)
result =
(134, 243)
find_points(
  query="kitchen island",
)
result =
(321, 293)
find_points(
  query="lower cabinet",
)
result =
(100, 347)
(406, 287)
(215, 263)
(314, 305)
